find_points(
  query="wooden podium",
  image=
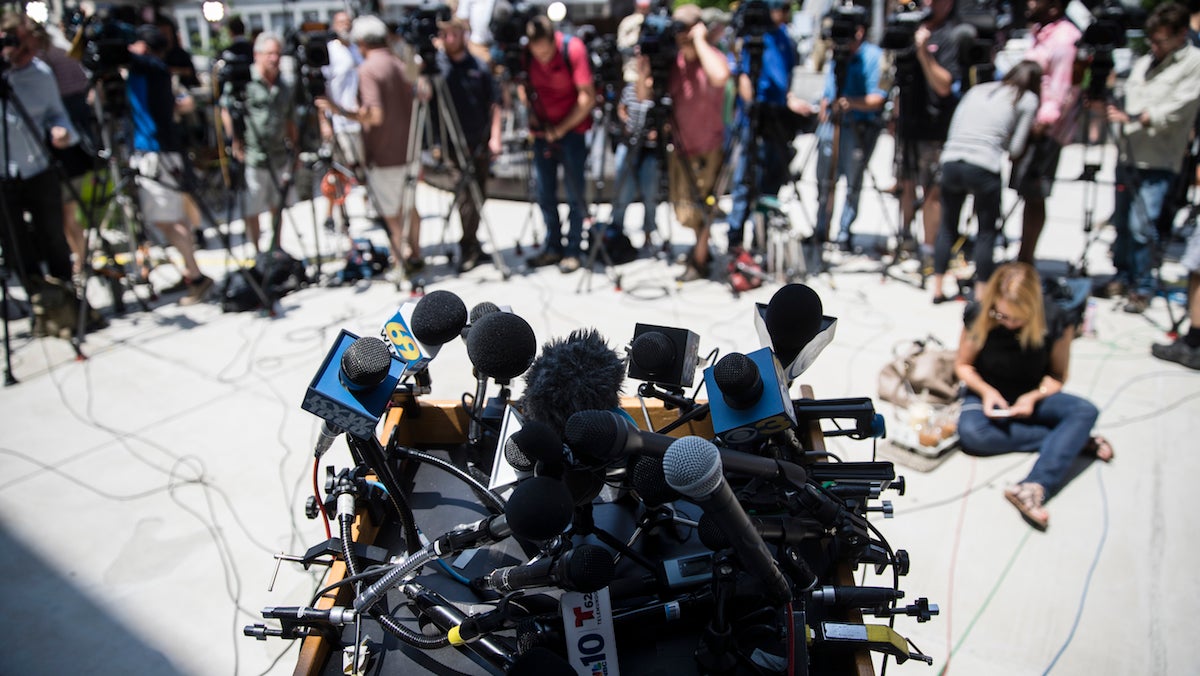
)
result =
(444, 423)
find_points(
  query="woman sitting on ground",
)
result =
(1013, 358)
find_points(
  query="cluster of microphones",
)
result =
(727, 530)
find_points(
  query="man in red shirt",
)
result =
(561, 96)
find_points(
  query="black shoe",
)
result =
(543, 259)
(413, 265)
(1136, 304)
(471, 258)
(1178, 352)
(1111, 289)
(197, 291)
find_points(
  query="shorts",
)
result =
(1033, 172)
(262, 191)
(705, 167)
(924, 168)
(348, 150)
(1191, 255)
(386, 184)
(158, 182)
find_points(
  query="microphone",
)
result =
(693, 467)
(604, 436)
(599, 437)
(541, 448)
(586, 568)
(480, 309)
(748, 397)
(794, 326)
(648, 482)
(579, 373)
(856, 597)
(788, 530)
(538, 509)
(417, 331)
(501, 345)
(352, 388)
(663, 355)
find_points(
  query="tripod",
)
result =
(603, 116)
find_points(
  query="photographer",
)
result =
(476, 101)
(697, 85)
(30, 185)
(158, 156)
(769, 93)
(1054, 49)
(341, 77)
(1162, 96)
(562, 94)
(262, 138)
(851, 111)
(929, 77)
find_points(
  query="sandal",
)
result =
(1099, 448)
(1027, 498)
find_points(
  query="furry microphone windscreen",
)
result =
(579, 373)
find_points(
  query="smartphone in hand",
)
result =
(1000, 413)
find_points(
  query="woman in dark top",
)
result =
(1013, 357)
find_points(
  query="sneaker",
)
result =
(1178, 352)
(693, 273)
(1136, 304)
(197, 291)
(1113, 289)
(543, 259)
(330, 225)
(568, 264)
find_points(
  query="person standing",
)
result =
(561, 96)
(1162, 97)
(262, 141)
(854, 106)
(341, 78)
(38, 246)
(475, 99)
(1054, 40)
(992, 118)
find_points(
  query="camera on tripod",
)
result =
(234, 72)
(106, 44)
(418, 28)
(657, 42)
(902, 27)
(508, 31)
(844, 22)
(310, 49)
(752, 20)
(1113, 19)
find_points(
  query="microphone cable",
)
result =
(494, 502)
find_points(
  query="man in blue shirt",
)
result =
(851, 105)
(772, 155)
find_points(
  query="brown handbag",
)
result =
(920, 366)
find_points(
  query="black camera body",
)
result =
(509, 20)
(310, 49)
(902, 27)
(106, 44)
(844, 22)
(420, 26)
(657, 42)
(234, 72)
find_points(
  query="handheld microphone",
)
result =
(501, 345)
(352, 388)
(600, 437)
(480, 309)
(538, 509)
(586, 568)
(787, 529)
(417, 331)
(794, 326)
(663, 355)
(856, 597)
(542, 447)
(693, 467)
(748, 397)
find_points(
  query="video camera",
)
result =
(508, 30)
(234, 71)
(419, 26)
(106, 44)
(1104, 35)
(845, 20)
(309, 46)
(657, 43)
(902, 26)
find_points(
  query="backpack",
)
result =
(276, 272)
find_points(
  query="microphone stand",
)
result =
(715, 653)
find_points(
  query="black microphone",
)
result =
(648, 482)
(438, 317)
(603, 436)
(856, 597)
(539, 508)
(793, 318)
(662, 354)
(788, 530)
(579, 373)
(536, 447)
(501, 345)
(586, 568)
(480, 309)
(692, 466)
(364, 366)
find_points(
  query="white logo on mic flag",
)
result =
(591, 642)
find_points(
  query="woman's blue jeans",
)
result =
(1058, 430)
(636, 171)
(571, 152)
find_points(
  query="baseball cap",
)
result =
(153, 38)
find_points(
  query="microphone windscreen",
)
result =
(515, 456)
(692, 466)
(653, 352)
(739, 380)
(501, 345)
(579, 373)
(365, 363)
(589, 568)
(594, 435)
(539, 661)
(793, 318)
(481, 309)
(539, 508)
(647, 480)
(438, 317)
(711, 535)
